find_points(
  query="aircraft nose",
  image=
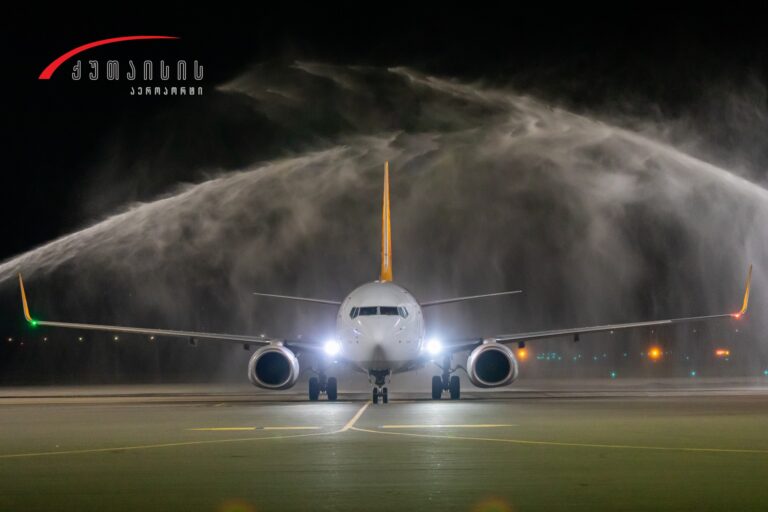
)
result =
(378, 331)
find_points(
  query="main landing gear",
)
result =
(379, 380)
(446, 382)
(323, 384)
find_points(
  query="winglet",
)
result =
(24, 304)
(746, 295)
(386, 231)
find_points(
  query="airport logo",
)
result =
(147, 77)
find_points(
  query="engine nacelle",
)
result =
(491, 365)
(273, 367)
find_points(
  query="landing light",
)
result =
(434, 346)
(332, 347)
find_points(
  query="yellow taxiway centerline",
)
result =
(236, 429)
(351, 423)
(292, 428)
(482, 425)
(116, 449)
(153, 446)
(221, 429)
(570, 445)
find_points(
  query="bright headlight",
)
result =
(434, 346)
(332, 347)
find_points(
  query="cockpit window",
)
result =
(378, 310)
(368, 311)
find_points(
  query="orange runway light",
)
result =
(655, 353)
(722, 352)
(522, 354)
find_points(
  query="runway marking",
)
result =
(351, 423)
(292, 428)
(159, 445)
(571, 445)
(235, 429)
(480, 425)
(220, 429)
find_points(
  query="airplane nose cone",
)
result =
(378, 334)
(378, 354)
(378, 331)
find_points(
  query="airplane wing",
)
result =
(302, 299)
(468, 297)
(469, 343)
(236, 338)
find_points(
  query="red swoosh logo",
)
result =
(53, 66)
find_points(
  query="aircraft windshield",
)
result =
(378, 310)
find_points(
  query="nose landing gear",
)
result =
(382, 393)
(446, 382)
(323, 384)
(379, 379)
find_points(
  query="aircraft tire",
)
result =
(437, 387)
(331, 388)
(314, 389)
(455, 387)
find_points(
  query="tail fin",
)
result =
(386, 231)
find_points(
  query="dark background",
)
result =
(54, 132)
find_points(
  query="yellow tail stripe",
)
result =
(386, 231)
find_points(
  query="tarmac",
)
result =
(549, 445)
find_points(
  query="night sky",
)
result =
(53, 131)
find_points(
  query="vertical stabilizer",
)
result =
(386, 231)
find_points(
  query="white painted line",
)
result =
(351, 423)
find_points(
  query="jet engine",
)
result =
(491, 365)
(273, 367)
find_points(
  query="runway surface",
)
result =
(550, 445)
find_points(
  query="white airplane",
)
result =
(380, 331)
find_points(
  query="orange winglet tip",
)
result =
(24, 304)
(745, 304)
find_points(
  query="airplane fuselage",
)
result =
(380, 327)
